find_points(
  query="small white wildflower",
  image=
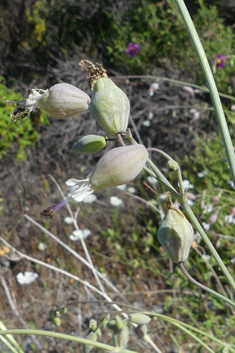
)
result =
(190, 202)
(233, 260)
(187, 185)
(131, 190)
(202, 174)
(26, 278)
(229, 219)
(90, 199)
(152, 180)
(164, 197)
(68, 220)
(150, 115)
(205, 226)
(206, 257)
(190, 91)
(146, 123)
(80, 234)
(208, 208)
(230, 183)
(115, 201)
(154, 87)
(195, 113)
(122, 187)
(233, 108)
(42, 246)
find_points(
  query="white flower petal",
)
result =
(208, 208)
(187, 184)
(146, 123)
(229, 219)
(68, 220)
(205, 226)
(90, 199)
(80, 234)
(131, 190)
(152, 180)
(79, 189)
(122, 187)
(202, 174)
(115, 201)
(26, 278)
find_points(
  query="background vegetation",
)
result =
(41, 43)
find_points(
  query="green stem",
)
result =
(189, 212)
(179, 323)
(65, 337)
(211, 85)
(191, 279)
(201, 231)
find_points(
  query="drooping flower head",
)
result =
(176, 235)
(132, 49)
(61, 101)
(117, 167)
(219, 60)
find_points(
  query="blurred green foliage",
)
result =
(15, 136)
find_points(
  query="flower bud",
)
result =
(110, 107)
(120, 323)
(57, 321)
(64, 101)
(139, 318)
(90, 144)
(176, 235)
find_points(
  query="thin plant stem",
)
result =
(177, 82)
(66, 337)
(211, 85)
(82, 241)
(209, 290)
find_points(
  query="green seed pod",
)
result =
(92, 336)
(172, 164)
(63, 310)
(104, 322)
(92, 325)
(57, 321)
(139, 318)
(90, 144)
(110, 107)
(176, 235)
(141, 331)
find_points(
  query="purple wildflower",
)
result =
(132, 49)
(219, 60)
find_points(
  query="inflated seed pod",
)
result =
(64, 101)
(110, 107)
(176, 235)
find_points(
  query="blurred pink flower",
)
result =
(132, 49)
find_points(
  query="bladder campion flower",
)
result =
(61, 101)
(119, 166)
(132, 49)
